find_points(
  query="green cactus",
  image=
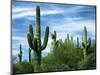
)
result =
(67, 36)
(86, 43)
(30, 55)
(55, 41)
(20, 54)
(71, 41)
(35, 42)
(77, 42)
(89, 41)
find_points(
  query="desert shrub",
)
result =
(22, 68)
(64, 55)
(53, 67)
(89, 63)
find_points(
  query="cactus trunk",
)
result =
(30, 55)
(35, 42)
(37, 55)
(20, 54)
(77, 42)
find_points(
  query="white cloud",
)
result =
(23, 14)
(72, 27)
(18, 12)
(21, 9)
(20, 40)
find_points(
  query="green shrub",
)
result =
(89, 63)
(23, 68)
(53, 67)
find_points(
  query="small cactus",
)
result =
(55, 41)
(77, 42)
(86, 43)
(71, 41)
(20, 54)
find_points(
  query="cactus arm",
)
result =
(31, 31)
(30, 37)
(54, 36)
(89, 43)
(30, 42)
(45, 38)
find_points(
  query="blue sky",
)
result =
(64, 18)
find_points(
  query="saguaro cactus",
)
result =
(85, 43)
(20, 54)
(55, 41)
(77, 42)
(35, 42)
(71, 41)
(68, 37)
(89, 40)
(29, 55)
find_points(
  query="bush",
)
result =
(22, 68)
(53, 67)
(89, 63)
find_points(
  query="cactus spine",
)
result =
(20, 54)
(85, 43)
(29, 55)
(55, 41)
(35, 42)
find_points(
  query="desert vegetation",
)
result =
(67, 55)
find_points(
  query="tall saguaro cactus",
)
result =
(85, 43)
(35, 42)
(20, 54)
(55, 41)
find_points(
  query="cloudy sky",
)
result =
(64, 18)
